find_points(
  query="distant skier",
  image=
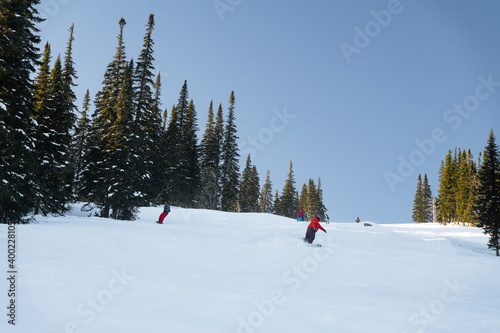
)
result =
(300, 215)
(358, 220)
(312, 228)
(166, 210)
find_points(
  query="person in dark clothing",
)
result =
(312, 228)
(166, 210)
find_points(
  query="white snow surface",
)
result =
(209, 271)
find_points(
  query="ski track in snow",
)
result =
(209, 271)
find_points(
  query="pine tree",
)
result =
(190, 172)
(266, 196)
(488, 194)
(69, 76)
(276, 203)
(303, 198)
(313, 205)
(54, 118)
(229, 161)
(209, 163)
(321, 206)
(157, 166)
(426, 200)
(177, 169)
(173, 154)
(80, 144)
(248, 195)
(418, 214)
(19, 55)
(447, 190)
(288, 199)
(148, 130)
(123, 197)
(143, 77)
(99, 163)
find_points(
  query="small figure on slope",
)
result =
(358, 220)
(312, 228)
(166, 210)
(300, 215)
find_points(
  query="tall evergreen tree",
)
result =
(157, 128)
(190, 172)
(266, 196)
(248, 195)
(418, 213)
(466, 187)
(321, 206)
(52, 137)
(69, 76)
(177, 168)
(488, 194)
(288, 199)
(19, 55)
(427, 200)
(276, 203)
(303, 198)
(229, 160)
(313, 204)
(123, 197)
(148, 119)
(80, 143)
(209, 163)
(173, 154)
(99, 163)
(447, 190)
(144, 77)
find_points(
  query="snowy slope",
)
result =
(206, 271)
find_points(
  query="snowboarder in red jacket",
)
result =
(166, 210)
(312, 228)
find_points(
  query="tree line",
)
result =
(469, 192)
(126, 151)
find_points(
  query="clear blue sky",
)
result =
(364, 94)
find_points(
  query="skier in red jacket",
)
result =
(312, 228)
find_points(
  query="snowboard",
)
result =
(159, 222)
(311, 245)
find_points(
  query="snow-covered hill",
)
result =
(206, 271)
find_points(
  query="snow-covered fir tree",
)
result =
(19, 55)
(53, 114)
(148, 122)
(99, 160)
(190, 173)
(209, 163)
(80, 144)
